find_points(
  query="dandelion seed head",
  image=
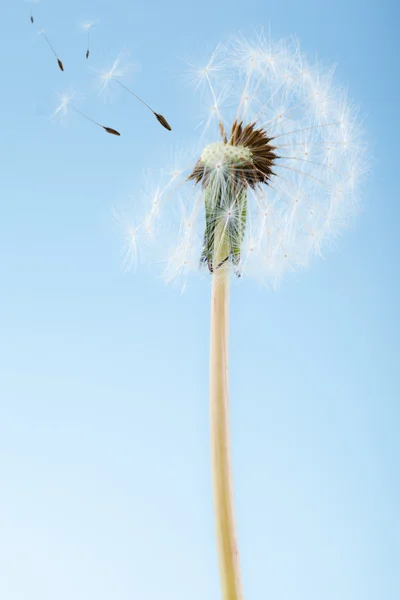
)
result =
(278, 171)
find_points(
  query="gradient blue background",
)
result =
(104, 460)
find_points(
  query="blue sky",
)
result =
(104, 459)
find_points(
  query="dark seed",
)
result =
(111, 130)
(87, 53)
(32, 21)
(163, 121)
(60, 64)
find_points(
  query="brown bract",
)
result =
(257, 171)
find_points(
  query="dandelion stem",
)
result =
(225, 528)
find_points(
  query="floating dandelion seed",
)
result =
(113, 77)
(59, 62)
(86, 27)
(159, 117)
(276, 178)
(65, 105)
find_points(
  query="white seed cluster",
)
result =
(220, 154)
(314, 188)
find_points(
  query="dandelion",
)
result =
(86, 27)
(65, 105)
(59, 62)
(275, 178)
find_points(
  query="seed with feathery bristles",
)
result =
(86, 27)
